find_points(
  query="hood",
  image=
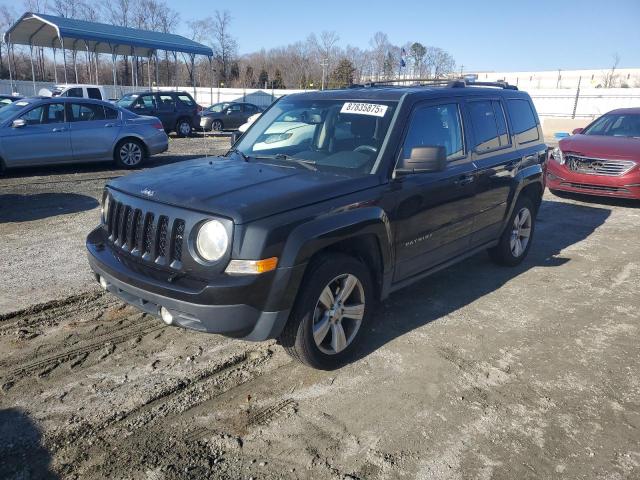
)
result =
(242, 191)
(601, 146)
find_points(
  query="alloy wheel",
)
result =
(217, 125)
(184, 128)
(338, 314)
(521, 232)
(130, 154)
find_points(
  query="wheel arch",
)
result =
(123, 139)
(361, 233)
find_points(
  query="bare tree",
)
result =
(224, 45)
(610, 77)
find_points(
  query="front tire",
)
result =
(334, 302)
(216, 126)
(515, 241)
(130, 153)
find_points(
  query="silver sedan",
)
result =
(45, 131)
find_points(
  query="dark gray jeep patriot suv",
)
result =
(328, 203)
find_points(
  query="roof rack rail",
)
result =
(433, 82)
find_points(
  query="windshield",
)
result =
(335, 135)
(127, 100)
(10, 110)
(218, 107)
(615, 125)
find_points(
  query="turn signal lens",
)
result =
(252, 267)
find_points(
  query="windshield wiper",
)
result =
(308, 164)
(242, 154)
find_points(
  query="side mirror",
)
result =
(19, 123)
(424, 160)
(235, 136)
(577, 131)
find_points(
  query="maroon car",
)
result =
(601, 159)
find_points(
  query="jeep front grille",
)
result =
(140, 234)
(598, 166)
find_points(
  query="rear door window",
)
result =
(525, 125)
(111, 113)
(86, 112)
(94, 93)
(166, 102)
(436, 125)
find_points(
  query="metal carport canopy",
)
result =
(40, 30)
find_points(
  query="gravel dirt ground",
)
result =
(476, 372)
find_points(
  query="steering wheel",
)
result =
(366, 149)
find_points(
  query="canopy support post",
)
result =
(113, 69)
(74, 55)
(175, 80)
(95, 54)
(64, 58)
(149, 57)
(33, 71)
(86, 46)
(192, 61)
(55, 63)
(212, 76)
(134, 69)
(9, 48)
(157, 70)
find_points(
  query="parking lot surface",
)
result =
(479, 371)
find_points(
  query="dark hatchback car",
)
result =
(298, 239)
(227, 115)
(177, 111)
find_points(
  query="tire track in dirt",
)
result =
(50, 313)
(44, 366)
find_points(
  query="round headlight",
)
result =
(212, 240)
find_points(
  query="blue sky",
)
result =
(493, 35)
(496, 35)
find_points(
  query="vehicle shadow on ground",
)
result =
(559, 226)
(94, 167)
(21, 452)
(23, 208)
(599, 200)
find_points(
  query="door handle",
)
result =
(108, 125)
(57, 130)
(464, 180)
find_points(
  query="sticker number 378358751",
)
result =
(364, 109)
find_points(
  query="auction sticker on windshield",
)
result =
(364, 109)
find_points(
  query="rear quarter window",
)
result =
(523, 119)
(187, 100)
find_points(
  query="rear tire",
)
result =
(516, 239)
(130, 153)
(216, 126)
(183, 128)
(333, 304)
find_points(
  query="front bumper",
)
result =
(206, 122)
(559, 177)
(193, 304)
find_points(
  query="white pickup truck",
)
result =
(75, 90)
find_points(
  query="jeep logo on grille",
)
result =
(148, 192)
